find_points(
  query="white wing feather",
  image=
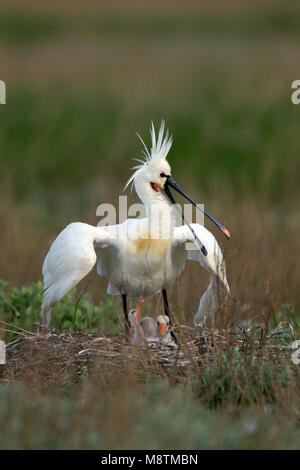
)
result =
(214, 263)
(70, 258)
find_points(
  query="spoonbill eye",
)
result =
(162, 175)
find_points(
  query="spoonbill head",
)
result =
(163, 322)
(157, 331)
(140, 257)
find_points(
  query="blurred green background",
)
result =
(82, 77)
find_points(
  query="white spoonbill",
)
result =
(157, 331)
(139, 257)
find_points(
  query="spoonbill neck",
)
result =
(161, 219)
(160, 212)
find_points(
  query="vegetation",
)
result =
(234, 389)
(80, 81)
(20, 307)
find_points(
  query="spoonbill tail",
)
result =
(139, 257)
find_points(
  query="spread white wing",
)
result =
(71, 257)
(184, 247)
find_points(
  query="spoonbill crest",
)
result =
(140, 257)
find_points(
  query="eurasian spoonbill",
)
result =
(139, 257)
(135, 318)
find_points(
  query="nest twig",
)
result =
(61, 352)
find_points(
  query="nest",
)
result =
(64, 354)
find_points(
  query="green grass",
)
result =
(157, 417)
(21, 27)
(244, 379)
(26, 27)
(54, 141)
(20, 307)
(60, 143)
(239, 400)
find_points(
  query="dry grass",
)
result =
(59, 356)
(131, 397)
